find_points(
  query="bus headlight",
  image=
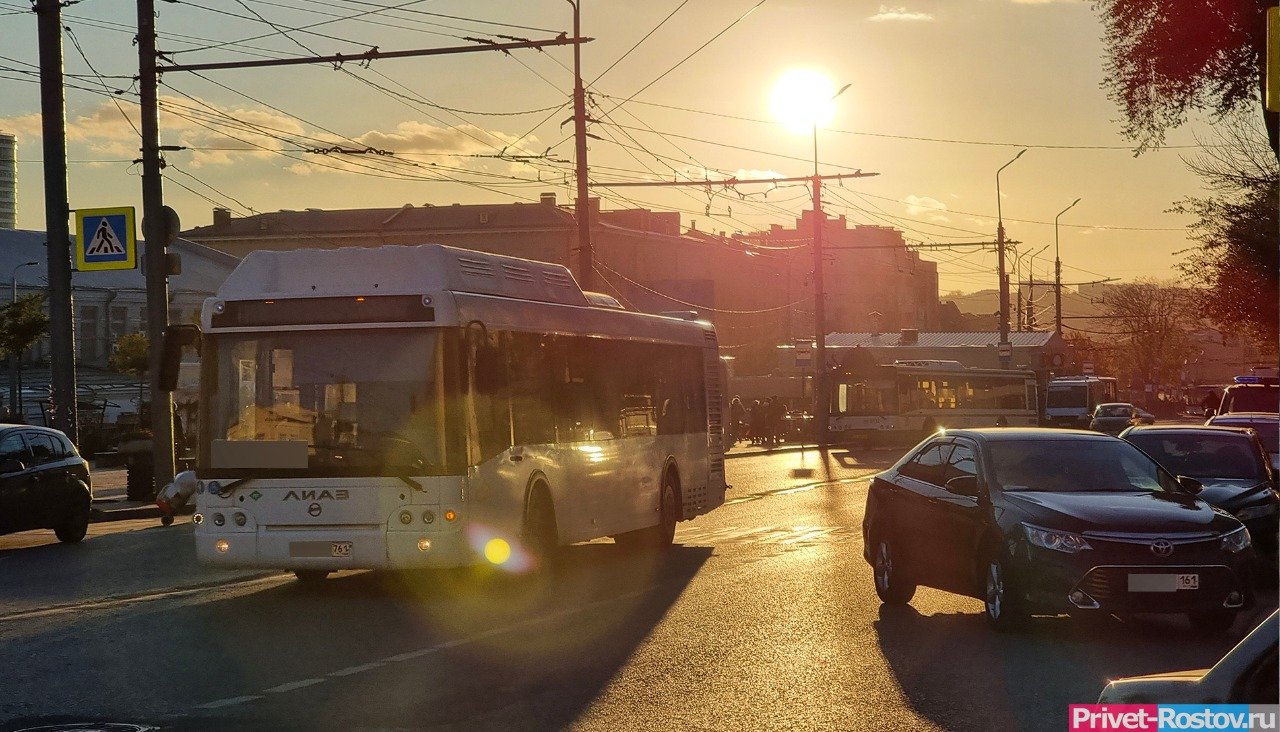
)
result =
(424, 545)
(240, 518)
(197, 518)
(222, 545)
(219, 519)
(406, 518)
(428, 517)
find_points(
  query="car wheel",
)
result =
(540, 536)
(1000, 602)
(892, 585)
(76, 525)
(311, 576)
(1212, 622)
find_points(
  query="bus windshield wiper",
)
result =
(410, 482)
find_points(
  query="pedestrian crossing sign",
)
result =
(106, 239)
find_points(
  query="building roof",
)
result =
(203, 269)
(405, 219)
(1020, 339)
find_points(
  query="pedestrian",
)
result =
(755, 422)
(737, 420)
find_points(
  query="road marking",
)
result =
(229, 702)
(289, 686)
(108, 603)
(784, 535)
(798, 488)
(292, 685)
(358, 669)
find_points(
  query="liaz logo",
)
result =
(340, 494)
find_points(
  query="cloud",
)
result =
(901, 14)
(217, 135)
(930, 208)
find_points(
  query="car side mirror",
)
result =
(12, 466)
(964, 485)
(1190, 485)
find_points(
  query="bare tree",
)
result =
(1149, 329)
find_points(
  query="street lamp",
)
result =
(15, 396)
(1031, 287)
(1057, 273)
(1006, 350)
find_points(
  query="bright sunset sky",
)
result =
(1003, 73)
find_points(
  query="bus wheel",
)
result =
(540, 536)
(668, 513)
(311, 576)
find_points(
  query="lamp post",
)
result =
(1057, 272)
(1031, 288)
(1006, 350)
(820, 397)
(15, 398)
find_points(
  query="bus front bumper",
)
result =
(333, 549)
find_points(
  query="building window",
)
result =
(119, 322)
(87, 332)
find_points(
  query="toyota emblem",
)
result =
(1162, 547)
(315, 509)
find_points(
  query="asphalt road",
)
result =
(763, 617)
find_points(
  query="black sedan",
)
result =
(44, 483)
(1230, 462)
(1051, 521)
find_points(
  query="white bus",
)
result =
(909, 399)
(1069, 400)
(424, 406)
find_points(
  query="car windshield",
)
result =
(1074, 466)
(1202, 455)
(1114, 410)
(1268, 432)
(1253, 399)
(328, 402)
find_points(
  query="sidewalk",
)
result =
(109, 503)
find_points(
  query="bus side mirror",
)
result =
(175, 337)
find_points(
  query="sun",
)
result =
(802, 98)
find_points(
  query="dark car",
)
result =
(1232, 465)
(1113, 418)
(44, 483)
(1051, 521)
(1246, 675)
(1266, 425)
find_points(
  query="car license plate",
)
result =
(1163, 582)
(341, 549)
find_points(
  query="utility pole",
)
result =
(1005, 348)
(53, 120)
(154, 232)
(821, 400)
(581, 206)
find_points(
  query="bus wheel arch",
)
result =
(671, 476)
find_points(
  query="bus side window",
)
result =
(532, 415)
(492, 405)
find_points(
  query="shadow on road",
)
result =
(506, 652)
(962, 675)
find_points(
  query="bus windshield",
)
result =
(366, 402)
(1066, 396)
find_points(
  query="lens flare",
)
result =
(497, 551)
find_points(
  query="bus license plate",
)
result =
(341, 549)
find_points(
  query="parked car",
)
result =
(1266, 425)
(44, 483)
(1144, 417)
(1232, 465)
(1113, 417)
(1049, 521)
(1246, 675)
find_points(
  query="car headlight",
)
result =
(1237, 541)
(1253, 512)
(1058, 541)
